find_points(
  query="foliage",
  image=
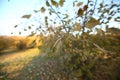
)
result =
(26, 16)
(113, 30)
(72, 37)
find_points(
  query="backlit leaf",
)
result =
(42, 9)
(15, 26)
(113, 5)
(32, 34)
(79, 4)
(35, 11)
(61, 2)
(50, 13)
(117, 19)
(80, 12)
(19, 33)
(91, 4)
(101, 5)
(92, 22)
(54, 3)
(47, 3)
(77, 27)
(26, 16)
(25, 29)
(46, 21)
(85, 7)
(29, 27)
(66, 16)
(109, 18)
(73, 4)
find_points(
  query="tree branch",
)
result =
(103, 50)
(96, 45)
(58, 17)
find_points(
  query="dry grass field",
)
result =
(32, 64)
(12, 63)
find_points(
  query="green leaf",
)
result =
(26, 16)
(47, 3)
(42, 9)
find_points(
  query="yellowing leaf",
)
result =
(61, 2)
(92, 22)
(32, 34)
(42, 9)
(80, 12)
(85, 7)
(26, 16)
(79, 4)
(77, 27)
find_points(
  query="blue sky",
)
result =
(12, 10)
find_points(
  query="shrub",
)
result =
(22, 44)
(5, 42)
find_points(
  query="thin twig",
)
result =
(85, 18)
(57, 42)
(103, 50)
(58, 17)
(94, 7)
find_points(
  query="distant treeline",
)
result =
(18, 42)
